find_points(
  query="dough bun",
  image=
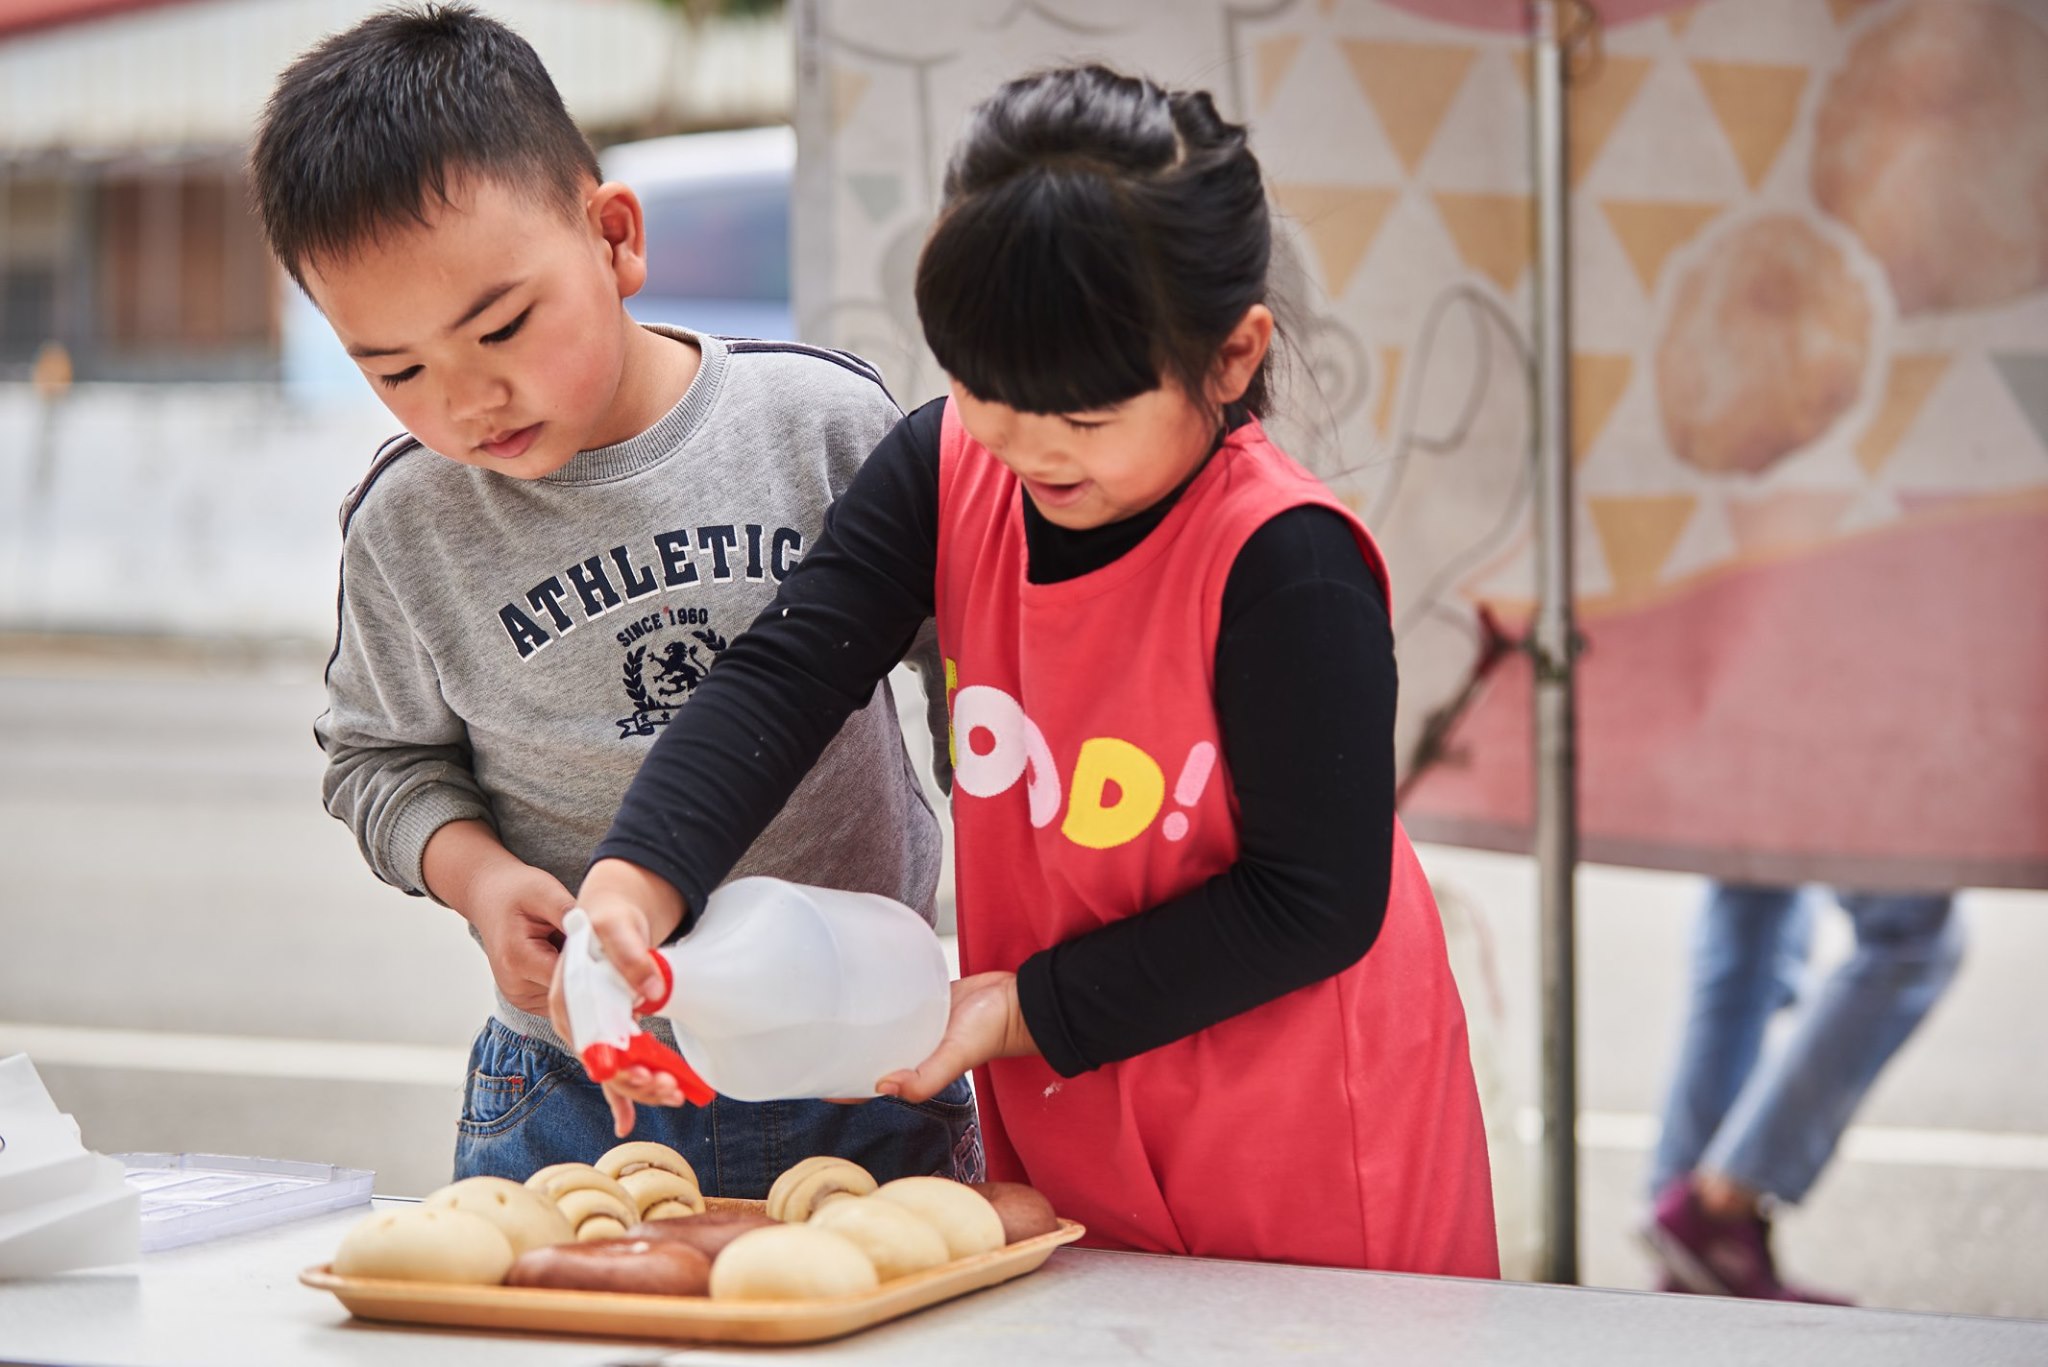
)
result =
(597, 1206)
(962, 1216)
(791, 1262)
(419, 1245)
(660, 1194)
(1024, 1211)
(708, 1233)
(799, 1192)
(526, 1218)
(640, 1155)
(558, 1178)
(641, 1267)
(895, 1240)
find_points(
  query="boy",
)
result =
(581, 516)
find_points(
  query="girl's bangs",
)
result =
(1028, 300)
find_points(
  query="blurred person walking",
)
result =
(1744, 1129)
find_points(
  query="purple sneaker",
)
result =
(1716, 1257)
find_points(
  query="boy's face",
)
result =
(494, 331)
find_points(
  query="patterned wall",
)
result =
(1810, 315)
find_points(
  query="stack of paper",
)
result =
(61, 1205)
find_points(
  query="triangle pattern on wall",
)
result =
(1907, 383)
(1341, 222)
(1638, 535)
(1594, 107)
(1493, 233)
(1272, 59)
(1756, 106)
(1598, 381)
(2027, 377)
(1410, 86)
(878, 193)
(1389, 381)
(1650, 230)
(848, 86)
(1597, 106)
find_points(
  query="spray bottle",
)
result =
(779, 991)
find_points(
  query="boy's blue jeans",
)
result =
(1773, 1123)
(528, 1104)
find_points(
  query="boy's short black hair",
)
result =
(367, 129)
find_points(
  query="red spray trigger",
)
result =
(604, 1061)
(643, 1050)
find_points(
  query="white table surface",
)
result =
(238, 1301)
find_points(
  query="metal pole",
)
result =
(1552, 646)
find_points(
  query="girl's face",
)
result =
(1090, 469)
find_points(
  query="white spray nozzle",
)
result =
(600, 1002)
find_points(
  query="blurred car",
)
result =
(717, 209)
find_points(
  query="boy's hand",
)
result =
(630, 911)
(986, 1022)
(516, 908)
(519, 918)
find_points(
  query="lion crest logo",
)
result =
(659, 680)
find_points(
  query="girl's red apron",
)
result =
(1337, 1125)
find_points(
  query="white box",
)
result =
(96, 1227)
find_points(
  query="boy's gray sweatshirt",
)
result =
(509, 649)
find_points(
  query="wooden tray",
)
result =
(682, 1318)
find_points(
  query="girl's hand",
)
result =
(986, 1022)
(630, 911)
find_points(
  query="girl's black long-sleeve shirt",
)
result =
(1305, 693)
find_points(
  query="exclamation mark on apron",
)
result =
(1187, 791)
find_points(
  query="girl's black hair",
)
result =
(367, 130)
(1098, 235)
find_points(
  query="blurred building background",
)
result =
(177, 424)
(124, 231)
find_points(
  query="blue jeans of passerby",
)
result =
(528, 1104)
(1772, 1122)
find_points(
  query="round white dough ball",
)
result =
(526, 1218)
(896, 1241)
(962, 1216)
(415, 1244)
(790, 1263)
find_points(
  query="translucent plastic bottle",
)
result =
(779, 991)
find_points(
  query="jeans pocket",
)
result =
(509, 1076)
(487, 1098)
(953, 1108)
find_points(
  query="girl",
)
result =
(1205, 985)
